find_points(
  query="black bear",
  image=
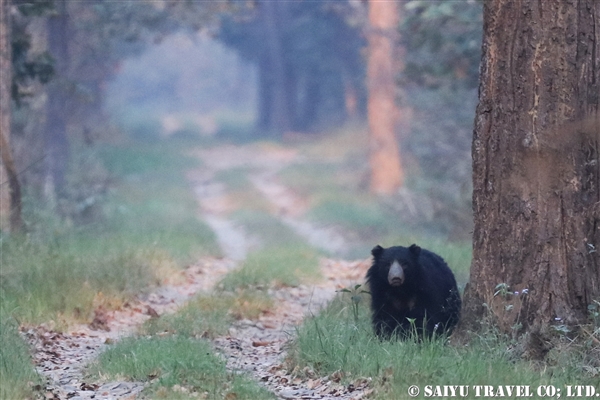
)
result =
(413, 291)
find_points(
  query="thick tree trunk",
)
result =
(536, 167)
(10, 189)
(386, 169)
(56, 143)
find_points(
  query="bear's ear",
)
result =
(414, 250)
(377, 251)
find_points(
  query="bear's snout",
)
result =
(396, 274)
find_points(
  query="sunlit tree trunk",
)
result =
(386, 169)
(536, 169)
(10, 189)
(56, 144)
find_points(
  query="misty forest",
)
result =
(192, 193)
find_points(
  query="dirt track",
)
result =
(257, 347)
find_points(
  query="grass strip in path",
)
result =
(176, 367)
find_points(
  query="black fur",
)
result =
(425, 290)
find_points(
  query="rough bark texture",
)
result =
(386, 169)
(536, 167)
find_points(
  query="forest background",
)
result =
(112, 101)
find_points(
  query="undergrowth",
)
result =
(17, 377)
(142, 230)
(336, 340)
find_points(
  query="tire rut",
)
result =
(61, 357)
(259, 347)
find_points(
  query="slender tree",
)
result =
(536, 169)
(5, 78)
(386, 169)
(10, 190)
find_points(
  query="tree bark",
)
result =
(10, 189)
(386, 169)
(56, 143)
(536, 168)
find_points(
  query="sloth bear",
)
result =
(413, 292)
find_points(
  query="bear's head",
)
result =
(396, 265)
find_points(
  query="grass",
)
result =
(17, 377)
(175, 367)
(286, 265)
(172, 355)
(210, 315)
(148, 229)
(340, 338)
(144, 229)
(367, 219)
(269, 229)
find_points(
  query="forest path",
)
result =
(258, 347)
(260, 163)
(61, 357)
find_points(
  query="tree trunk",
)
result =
(10, 190)
(56, 143)
(311, 100)
(386, 169)
(264, 94)
(280, 117)
(536, 168)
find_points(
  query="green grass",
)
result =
(148, 229)
(269, 229)
(210, 315)
(285, 265)
(43, 283)
(366, 219)
(17, 377)
(172, 362)
(144, 229)
(171, 353)
(338, 339)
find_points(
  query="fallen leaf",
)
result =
(151, 312)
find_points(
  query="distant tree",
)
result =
(10, 193)
(536, 169)
(87, 40)
(56, 143)
(274, 96)
(20, 69)
(443, 41)
(307, 54)
(386, 169)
